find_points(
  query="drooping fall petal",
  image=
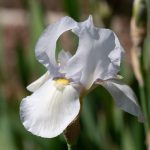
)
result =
(124, 97)
(39, 82)
(50, 109)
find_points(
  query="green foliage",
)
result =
(72, 8)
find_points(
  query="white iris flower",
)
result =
(55, 101)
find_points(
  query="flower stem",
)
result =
(71, 147)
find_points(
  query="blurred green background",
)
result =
(103, 125)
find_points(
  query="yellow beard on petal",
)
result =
(61, 83)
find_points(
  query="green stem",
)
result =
(148, 69)
(71, 147)
(143, 96)
(143, 103)
(147, 79)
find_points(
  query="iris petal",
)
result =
(98, 55)
(46, 45)
(49, 110)
(39, 82)
(63, 57)
(124, 97)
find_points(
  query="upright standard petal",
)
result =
(39, 82)
(98, 55)
(46, 45)
(124, 97)
(63, 57)
(50, 109)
